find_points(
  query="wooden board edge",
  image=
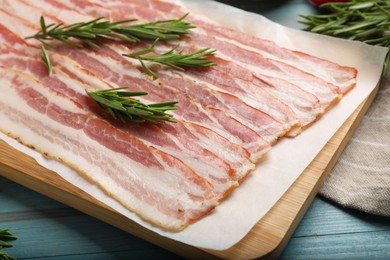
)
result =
(261, 241)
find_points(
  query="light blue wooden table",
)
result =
(47, 229)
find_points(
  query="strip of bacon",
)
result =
(264, 125)
(18, 26)
(155, 185)
(304, 104)
(25, 9)
(341, 76)
(327, 93)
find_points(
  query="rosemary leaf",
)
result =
(4, 244)
(46, 60)
(43, 24)
(6, 235)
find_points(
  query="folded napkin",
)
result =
(361, 177)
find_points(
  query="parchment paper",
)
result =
(231, 220)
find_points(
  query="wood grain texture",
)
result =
(266, 239)
(372, 245)
(331, 219)
(329, 231)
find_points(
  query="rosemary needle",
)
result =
(176, 60)
(46, 60)
(120, 105)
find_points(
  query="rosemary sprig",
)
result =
(120, 106)
(366, 21)
(5, 235)
(98, 29)
(176, 60)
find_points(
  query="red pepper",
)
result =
(320, 2)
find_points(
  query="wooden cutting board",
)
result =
(267, 238)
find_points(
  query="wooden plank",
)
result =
(47, 228)
(267, 238)
(45, 237)
(41, 232)
(329, 231)
(325, 218)
(14, 198)
(367, 245)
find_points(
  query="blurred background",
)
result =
(285, 12)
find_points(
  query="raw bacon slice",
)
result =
(18, 26)
(33, 10)
(156, 186)
(305, 105)
(327, 93)
(264, 125)
(23, 9)
(341, 76)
